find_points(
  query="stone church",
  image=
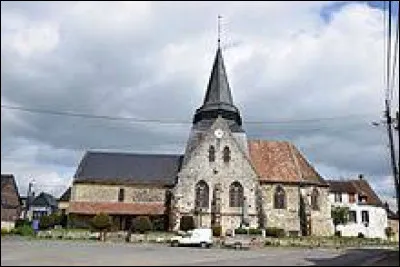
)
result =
(222, 179)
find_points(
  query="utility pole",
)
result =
(392, 151)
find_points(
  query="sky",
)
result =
(311, 72)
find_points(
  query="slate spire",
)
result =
(218, 90)
(218, 99)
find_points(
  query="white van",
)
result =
(197, 237)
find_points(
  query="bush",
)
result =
(46, 222)
(4, 231)
(240, 231)
(360, 235)
(274, 232)
(159, 224)
(217, 230)
(254, 231)
(187, 223)
(75, 221)
(25, 230)
(389, 232)
(21, 222)
(101, 222)
(56, 219)
(141, 224)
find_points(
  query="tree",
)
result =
(340, 215)
(46, 222)
(141, 224)
(56, 218)
(102, 222)
(389, 232)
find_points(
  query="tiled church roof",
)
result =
(277, 161)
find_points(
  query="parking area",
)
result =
(49, 252)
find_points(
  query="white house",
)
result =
(367, 213)
(43, 204)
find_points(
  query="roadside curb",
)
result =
(376, 259)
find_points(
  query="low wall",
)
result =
(7, 225)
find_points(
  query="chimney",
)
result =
(386, 206)
(360, 176)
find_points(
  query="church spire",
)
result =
(218, 89)
(218, 99)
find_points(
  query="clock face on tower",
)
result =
(219, 133)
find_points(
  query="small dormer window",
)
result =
(362, 199)
(227, 154)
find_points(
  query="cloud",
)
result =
(150, 60)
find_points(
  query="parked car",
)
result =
(197, 237)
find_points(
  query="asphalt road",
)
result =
(49, 252)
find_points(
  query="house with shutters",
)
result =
(367, 213)
(221, 179)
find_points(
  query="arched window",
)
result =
(202, 195)
(236, 195)
(314, 199)
(227, 154)
(279, 198)
(211, 154)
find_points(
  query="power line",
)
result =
(164, 121)
(389, 48)
(396, 48)
(384, 43)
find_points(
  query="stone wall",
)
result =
(197, 167)
(109, 193)
(287, 218)
(7, 225)
(394, 224)
(321, 222)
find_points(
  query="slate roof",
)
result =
(125, 168)
(117, 208)
(66, 195)
(358, 186)
(279, 161)
(218, 89)
(392, 215)
(218, 100)
(44, 200)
